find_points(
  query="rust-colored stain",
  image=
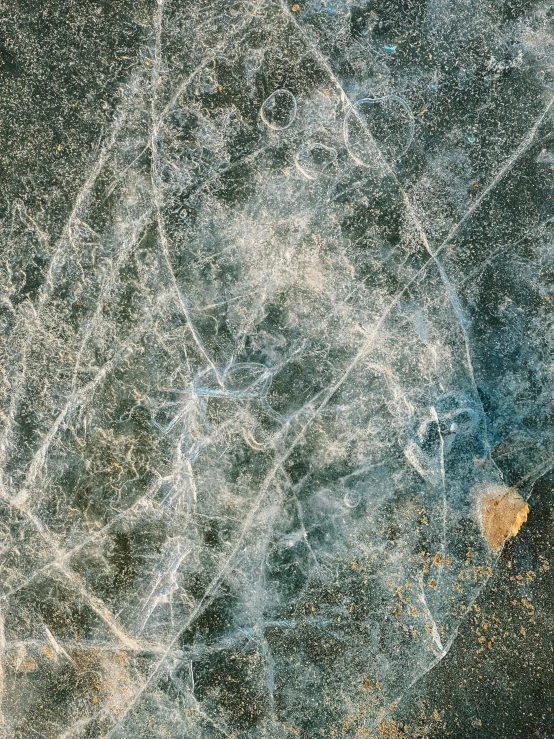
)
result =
(502, 511)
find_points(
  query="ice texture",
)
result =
(300, 307)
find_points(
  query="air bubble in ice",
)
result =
(314, 160)
(279, 110)
(376, 128)
(352, 498)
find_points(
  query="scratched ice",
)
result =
(298, 310)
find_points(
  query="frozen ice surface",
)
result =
(299, 308)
